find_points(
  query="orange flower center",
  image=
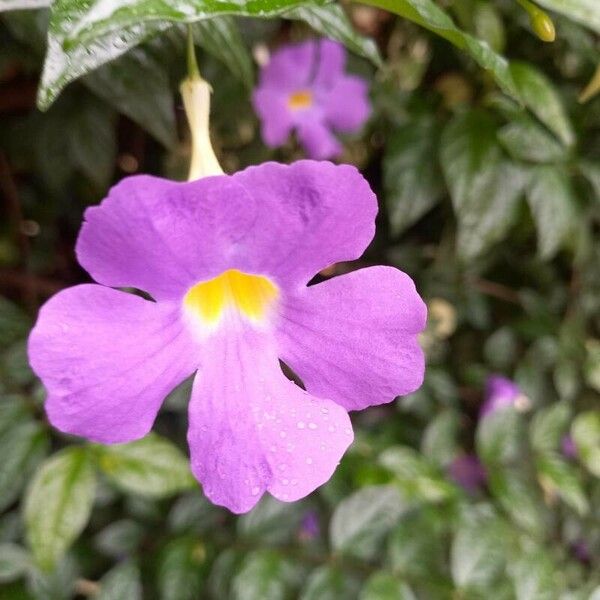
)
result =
(300, 99)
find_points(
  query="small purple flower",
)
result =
(500, 393)
(568, 447)
(466, 470)
(309, 526)
(304, 87)
(227, 260)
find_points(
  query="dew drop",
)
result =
(285, 481)
(294, 482)
(255, 490)
(325, 411)
(312, 425)
(301, 425)
(309, 461)
(282, 434)
(331, 429)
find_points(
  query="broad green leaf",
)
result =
(540, 96)
(418, 479)
(534, 577)
(429, 15)
(222, 572)
(485, 187)
(58, 504)
(500, 348)
(180, 569)
(57, 584)
(221, 38)
(193, 513)
(137, 85)
(591, 366)
(383, 585)
(500, 437)
(440, 438)
(14, 562)
(271, 521)
(14, 323)
(152, 467)
(477, 553)
(6, 5)
(552, 203)
(120, 538)
(548, 427)
(22, 447)
(265, 575)
(525, 140)
(586, 435)
(120, 583)
(489, 26)
(329, 583)
(583, 11)
(411, 175)
(331, 21)
(360, 521)
(591, 171)
(557, 476)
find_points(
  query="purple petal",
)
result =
(290, 67)
(252, 430)
(317, 139)
(500, 393)
(346, 105)
(276, 118)
(353, 339)
(468, 472)
(107, 360)
(332, 60)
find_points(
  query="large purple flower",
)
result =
(304, 87)
(227, 260)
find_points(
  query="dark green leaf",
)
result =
(500, 437)
(152, 466)
(120, 583)
(331, 21)
(411, 173)
(329, 583)
(361, 521)
(552, 204)
(440, 438)
(557, 476)
(58, 504)
(180, 569)
(548, 427)
(543, 100)
(525, 140)
(386, 586)
(120, 538)
(534, 578)
(271, 521)
(14, 562)
(14, 323)
(586, 435)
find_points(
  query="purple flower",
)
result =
(227, 260)
(466, 470)
(304, 87)
(568, 447)
(500, 393)
(309, 526)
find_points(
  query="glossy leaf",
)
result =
(58, 504)
(180, 569)
(123, 581)
(525, 140)
(586, 435)
(14, 562)
(548, 427)
(557, 476)
(329, 583)
(382, 585)
(152, 466)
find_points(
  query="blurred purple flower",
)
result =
(500, 393)
(581, 551)
(568, 447)
(466, 470)
(227, 260)
(304, 87)
(309, 526)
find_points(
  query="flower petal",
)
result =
(252, 430)
(353, 339)
(107, 360)
(309, 215)
(275, 116)
(290, 67)
(332, 60)
(317, 140)
(347, 105)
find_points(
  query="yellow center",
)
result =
(300, 99)
(251, 295)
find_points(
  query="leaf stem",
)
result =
(192, 63)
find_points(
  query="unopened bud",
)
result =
(542, 25)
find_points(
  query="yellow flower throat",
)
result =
(250, 295)
(300, 99)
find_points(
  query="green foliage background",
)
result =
(487, 169)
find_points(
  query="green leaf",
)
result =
(120, 538)
(583, 11)
(440, 438)
(14, 562)
(591, 171)
(122, 581)
(548, 427)
(591, 365)
(489, 26)
(586, 435)
(411, 175)
(22, 446)
(543, 100)
(360, 521)
(477, 553)
(418, 479)
(180, 569)
(6, 5)
(485, 187)
(525, 140)
(500, 437)
(429, 15)
(534, 579)
(552, 203)
(383, 585)
(558, 476)
(152, 467)
(331, 21)
(58, 504)
(14, 323)
(271, 521)
(265, 575)
(329, 583)
(221, 38)
(137, 85)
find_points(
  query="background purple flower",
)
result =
(500, 392)
(231, 300)
(467, 471)
(304, 88)
(568, 447)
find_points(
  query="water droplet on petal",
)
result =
(309, 461)
(312, 425)
(285, 481)
(301, 425)
(255, 490)
(325, 411)
(331, 429)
